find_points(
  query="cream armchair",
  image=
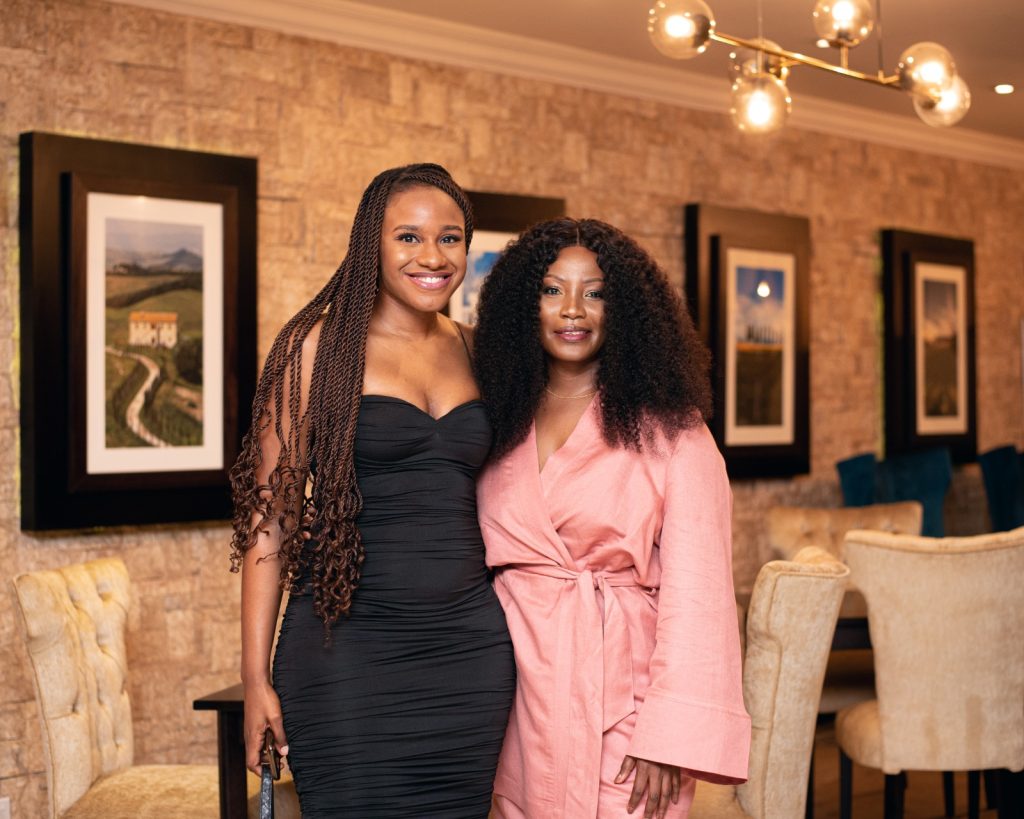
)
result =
(790, 528)
(849, 678)
(790, 620)
(75, 625)
(947, 619)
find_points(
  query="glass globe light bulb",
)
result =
(760, 104)
(680, 28)
(926, 69)
(843, 22)
(948, 109)
(744, 62)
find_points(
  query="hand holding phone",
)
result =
(270, 756)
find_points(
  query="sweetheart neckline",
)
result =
(420, 410)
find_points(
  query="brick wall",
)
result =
(323, 119)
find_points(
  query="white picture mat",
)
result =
(957, 276)
(742, 435)
(101, 459)
(462, 305)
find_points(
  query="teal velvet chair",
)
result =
(1003, 472)
(923, 476)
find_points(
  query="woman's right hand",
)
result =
(262, 712)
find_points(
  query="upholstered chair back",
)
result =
(792, 614)
(947, 626)
(791, 528)
(75, 624)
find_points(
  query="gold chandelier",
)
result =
(682, 29)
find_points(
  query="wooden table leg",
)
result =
(231, 765)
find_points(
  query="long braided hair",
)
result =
(324, 435)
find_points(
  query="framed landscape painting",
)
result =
(138, 303)
(929, 343)
(746, 282)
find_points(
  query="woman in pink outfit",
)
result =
(606, 516)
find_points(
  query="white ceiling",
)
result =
(984, 36)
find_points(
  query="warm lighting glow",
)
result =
(1004, 88)
(760, 104)
(843, 22)
(764, 289)
(680, 28)
(760, 68)
(926, 69)
(948, 109)
(842, 12)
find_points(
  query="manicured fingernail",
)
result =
(284, 750)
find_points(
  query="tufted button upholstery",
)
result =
(74, 626)
(793, 610)
(791, 528)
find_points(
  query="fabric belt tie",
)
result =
(601, 643)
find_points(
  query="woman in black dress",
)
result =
(394, 670)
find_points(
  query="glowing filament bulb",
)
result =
(678, 26)
(843, 12)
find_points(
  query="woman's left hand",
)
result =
(662, 783)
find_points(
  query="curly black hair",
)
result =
(653, 368)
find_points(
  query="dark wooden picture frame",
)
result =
(928, 284)
(762, 429)
(498, 218)
(59, 175)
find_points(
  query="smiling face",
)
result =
(572, 307)
(422, 249)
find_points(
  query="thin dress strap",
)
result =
(458, 327)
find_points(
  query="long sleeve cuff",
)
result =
(708, 741)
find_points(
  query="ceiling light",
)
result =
(1004, 88)
(682, 29)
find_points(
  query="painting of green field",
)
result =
(154, 334)
(941, 393)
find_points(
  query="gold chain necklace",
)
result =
(569, 397)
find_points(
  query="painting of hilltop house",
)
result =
(156, 285)
(760, 348)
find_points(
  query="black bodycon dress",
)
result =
(404, 712)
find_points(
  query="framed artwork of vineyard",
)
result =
(138, 330)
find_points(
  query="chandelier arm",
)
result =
(795, 58)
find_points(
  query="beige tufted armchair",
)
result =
(947, 619)
(75, 624)
(849, 677)
(792, 614)
(790, 528)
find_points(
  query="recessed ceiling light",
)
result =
(822, 43)
(1003, 88)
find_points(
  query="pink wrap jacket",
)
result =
(615, 572)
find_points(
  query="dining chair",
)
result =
(789, 623)
(849, 677)
(923, 476)
(946, 617)
(74, 625)
(1002, 470)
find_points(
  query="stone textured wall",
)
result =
(323, 119)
